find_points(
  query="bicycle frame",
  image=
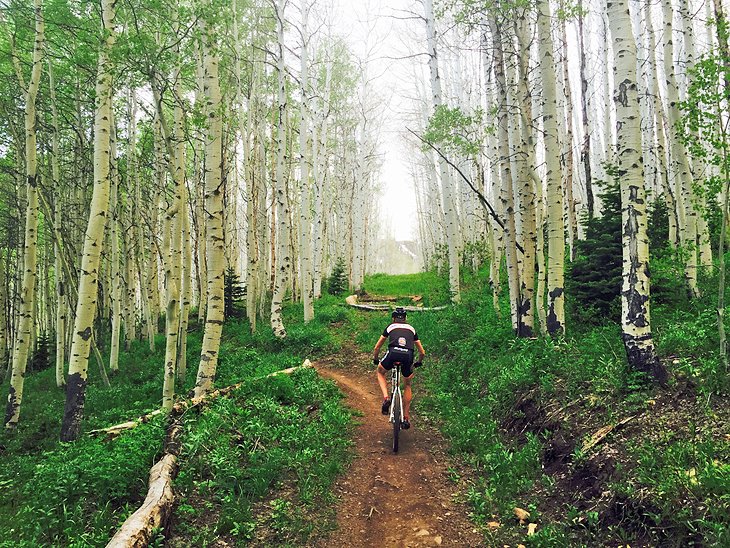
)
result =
(396, 399)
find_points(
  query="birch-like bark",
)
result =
(660, 123)
(506, 192)
(24, 334)
(722, 43)
(4, 328)
(94, 238)
(448, 195)
(214, 217)
(282, 259)
(698, 202)
(556, 238)
(526, 309)
(305, 221)
(187, 288)
(175, 144)
(116, 277)
(320, 134)
(585, 150)
(141, 262)
(61, 300)
(679, 161)
(200, 217)
(567, 154)
(635, 291)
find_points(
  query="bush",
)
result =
(338, 281)
(594, 278)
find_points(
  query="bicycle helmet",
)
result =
(399, 314)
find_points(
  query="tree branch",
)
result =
(481, 196)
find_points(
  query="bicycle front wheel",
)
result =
(396, 403)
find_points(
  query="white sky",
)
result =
(378, 37)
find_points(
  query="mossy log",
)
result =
(156, 509)
(352, 300)
(155, 512)
(112, 432)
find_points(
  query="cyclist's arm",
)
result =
(376, 350)
(420, 349)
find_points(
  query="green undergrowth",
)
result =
(263, 461)
(517, 412)
(78, 494)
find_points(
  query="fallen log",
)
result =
(137, 531)
(352, 301)
(112, 432)
(601, 434)
(155, 512)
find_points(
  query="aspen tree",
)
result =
(305, 222)
(186, 296)
(679, 162)
(567, 154)
(506, 192)
(556, 239)
(25, 331)
(174, 219)
(320, 136)
(61, 300)
(448, 198)
(525, 308)
(94, 238)
(659, 124)
(283, 260)
(200, 174)
(141, 262)
(215, 256)
(116, 277)
(3, 315)
(635, 291)
(698, 202)
(585, 150)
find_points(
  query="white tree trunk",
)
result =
(282, 260)
(448, 198)
(214, 221)
(506, 193)
(556, 228)
(25, 332)
(61, 299)
(635, 291)
(679, 161)
(94, 238)
(305, 222)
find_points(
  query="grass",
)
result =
(257, 467)
(516, 411)
(238, 449)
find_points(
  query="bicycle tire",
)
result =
(396, 420)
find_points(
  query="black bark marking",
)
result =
(85, 334)
(12, 405)
(641, 356)
(523, 330)
(73, 412)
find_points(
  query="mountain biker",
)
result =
(401, 337)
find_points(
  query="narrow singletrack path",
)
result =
(386, 499)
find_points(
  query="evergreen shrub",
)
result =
(593, 284)
(338, 281)
(233, 294)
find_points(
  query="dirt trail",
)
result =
(387, 499)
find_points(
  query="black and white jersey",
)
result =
(400, 335)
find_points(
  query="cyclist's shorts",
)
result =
(396, 355)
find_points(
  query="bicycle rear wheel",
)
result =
(396, 419)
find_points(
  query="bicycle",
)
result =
(396, 401)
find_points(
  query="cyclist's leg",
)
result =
(382, 381)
